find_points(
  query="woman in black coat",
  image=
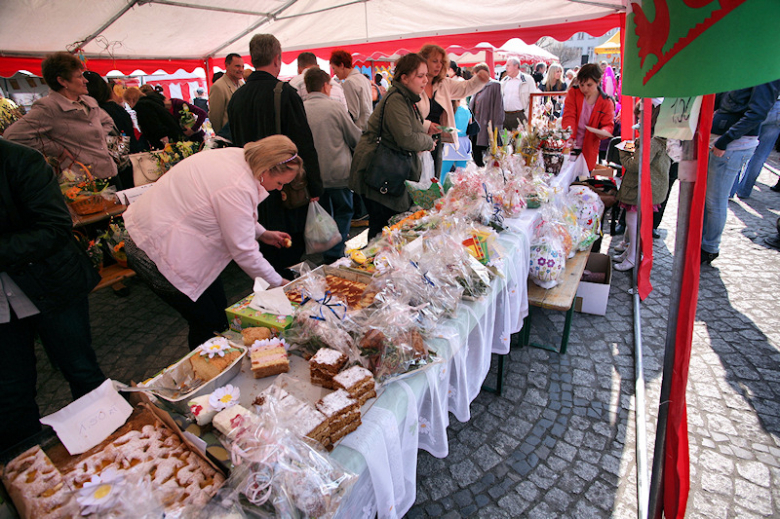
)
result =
(156, 123)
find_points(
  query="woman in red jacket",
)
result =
(588, 106)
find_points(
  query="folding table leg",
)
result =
(499, 378)
(525, 336)
(566, 329)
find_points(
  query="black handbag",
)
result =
(473, 128)
(389, 169)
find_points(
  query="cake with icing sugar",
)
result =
(269, 358)
(342, 413)
(358, 382)
(324, 365)
(302, 417)
(41, 488)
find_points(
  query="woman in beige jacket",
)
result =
(435, 103)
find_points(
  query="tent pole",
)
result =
(688, 163)
(491, 63)
(639, 387)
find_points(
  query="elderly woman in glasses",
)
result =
(201, 215)
(67, 125)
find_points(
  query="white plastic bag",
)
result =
(581, 168)
(321, 232)
(427, 175)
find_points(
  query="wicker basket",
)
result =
(89, 204)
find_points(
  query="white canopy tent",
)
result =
(201, 29)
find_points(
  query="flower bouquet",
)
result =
(93, 248)
(546, 137)
(187, 119)
(10, 112)
(115, 239)
(173, 153)
(84, 193)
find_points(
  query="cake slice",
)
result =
(36, 486)
(342, 413)
(307, 420)
(269, 358)
(212, 358)
(233, 420)
(358, 382)
(255, 333)
(324, 365)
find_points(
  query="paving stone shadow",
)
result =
(750, 362)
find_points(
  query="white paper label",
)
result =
(91, 419)
(414, 248)
(479, 269)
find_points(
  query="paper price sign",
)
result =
(90, 419)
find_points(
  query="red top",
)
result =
(602, 117)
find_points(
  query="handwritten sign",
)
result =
(91, 419)
(678, 117)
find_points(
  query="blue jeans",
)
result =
(721, 174)
(338, 202)
(767, 136)
(66, 337)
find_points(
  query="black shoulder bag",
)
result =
(296, 193)
(389, 168)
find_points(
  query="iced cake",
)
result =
(324, 365)
(342, 413)
(358, 382)
(269, 358)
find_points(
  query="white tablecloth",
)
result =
(413, 413)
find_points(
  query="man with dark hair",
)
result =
(335, 136)
(252, 116)
(357, 87)
(44, 283)
(223, 89)
(307, 60)
(539, 71)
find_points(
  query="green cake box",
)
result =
(241, 316)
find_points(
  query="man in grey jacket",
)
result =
(357, 87)
(335, 136)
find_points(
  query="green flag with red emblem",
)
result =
(681, 48)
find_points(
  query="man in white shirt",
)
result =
(223, 90)
(306, 60)
(516, 89)
(357, 87)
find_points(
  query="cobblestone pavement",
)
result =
(561, 440)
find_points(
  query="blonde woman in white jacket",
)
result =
(435, 103)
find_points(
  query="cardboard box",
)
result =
(240, 316)
(602, 171)
(592, 298)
